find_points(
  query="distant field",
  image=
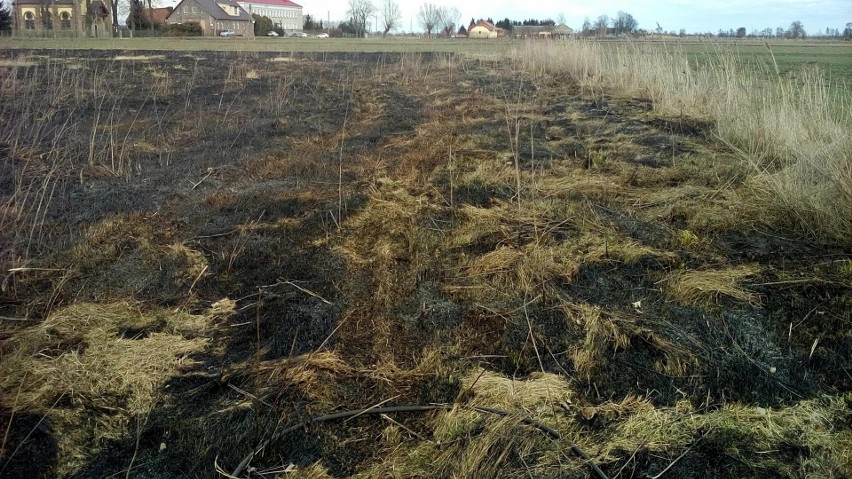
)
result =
(835, 57)
(791, 56)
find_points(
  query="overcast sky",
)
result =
(694, 16)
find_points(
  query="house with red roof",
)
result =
(157, 16)
(284, 13)
(485, 29)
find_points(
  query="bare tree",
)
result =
(359, 11)
(797, 30)
(624, 23)
(429, 17)
(560, 19)
(114, 7)
(391, 15)
(601, 24)
(449, 17)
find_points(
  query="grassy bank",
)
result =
(791, 131)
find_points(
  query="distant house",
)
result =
(214, 16)
(531, 31)
(483, 29)
(283, 13)
(542, 31)
(562, 31)
(157, 16)
(63, 18)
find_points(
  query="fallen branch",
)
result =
(209, 172)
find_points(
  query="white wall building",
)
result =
(283, 13)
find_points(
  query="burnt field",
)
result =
(203, 252)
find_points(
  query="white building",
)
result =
(283, 13)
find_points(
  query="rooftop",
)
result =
(277, 3)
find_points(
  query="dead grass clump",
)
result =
(16, 62)
(607, 333)
(387, 237)
(706, 288)
(511, 269)
(135, 255)
(747, 434)
(570, 184)
(470, 443)
(92, 368)
(627, 252)
(312, 375)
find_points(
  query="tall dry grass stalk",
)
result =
(792, 132)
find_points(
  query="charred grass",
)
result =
(200, 252)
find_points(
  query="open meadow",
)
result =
(311, 258)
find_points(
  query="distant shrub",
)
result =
(188, 29)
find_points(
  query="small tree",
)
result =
(391, 16)
(449, 16)
(847, 33)
(587, 25)
(429, 16)
(623, 23)
(796, 30)
(5, 17)
(262, 25)
(359, 11)
(601, 24)
(741, 32)
(505, 24)
(462, 31)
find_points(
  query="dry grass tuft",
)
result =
(106, 364)
(468, 443)
(387, 237)
(134, 255)
(705, 288)
(313, 375)
(746, 432)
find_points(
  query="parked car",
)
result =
(227, 33)
(272, 34)
(299, 34)
(322, 35)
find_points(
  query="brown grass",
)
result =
(791, 133)
(708, 287)
(106, 363)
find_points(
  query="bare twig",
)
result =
(209, 172)
(197, 278)
(367, 411)
(413, 433)
(307, 291)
